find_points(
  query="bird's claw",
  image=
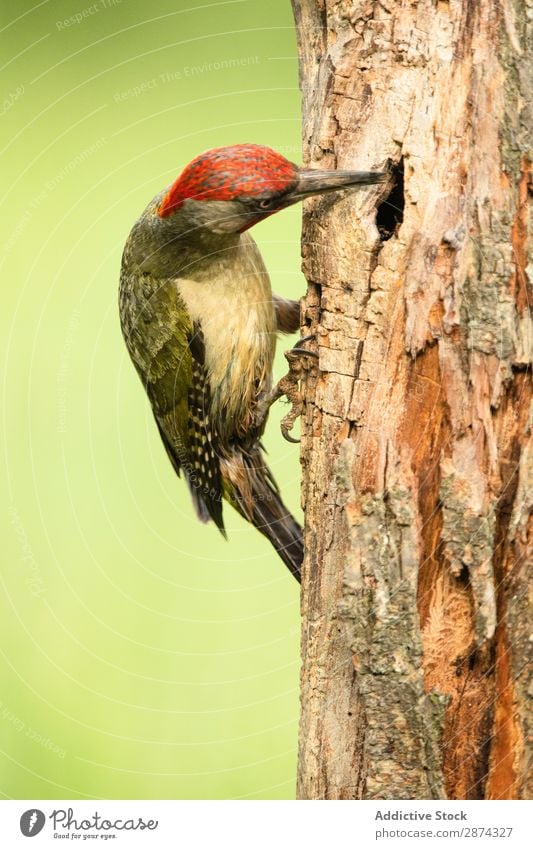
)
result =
(301, 351)
(289, 386)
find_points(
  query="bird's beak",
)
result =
(314, 182)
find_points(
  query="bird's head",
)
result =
(229, 189)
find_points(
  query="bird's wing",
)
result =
(168, 350)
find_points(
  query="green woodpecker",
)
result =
(200, 322)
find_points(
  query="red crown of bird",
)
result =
(226, 173)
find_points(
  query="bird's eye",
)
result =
(265, 204)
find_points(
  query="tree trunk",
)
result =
(416, 436)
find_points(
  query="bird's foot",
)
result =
(289, 386)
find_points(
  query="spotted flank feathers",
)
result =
(203, 474)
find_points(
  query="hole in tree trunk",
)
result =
(390, 211)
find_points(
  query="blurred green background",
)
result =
(141, 656)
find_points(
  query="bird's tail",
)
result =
(252, 490)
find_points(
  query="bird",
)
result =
(200, 321)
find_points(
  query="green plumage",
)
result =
(200, 328)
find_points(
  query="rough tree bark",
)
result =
(416, 435)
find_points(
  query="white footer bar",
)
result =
(266, 825)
